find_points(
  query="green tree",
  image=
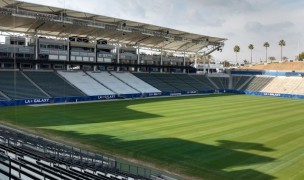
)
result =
(266, 45)
(226, 63)
(236, 49)
(285, 58)
(282, 43)
(272, 58)
(300, 57)
(251, 47)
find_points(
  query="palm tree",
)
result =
(236, 49)
(251, 47)
(266, 45)
(282, 43)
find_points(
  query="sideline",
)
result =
(110, 100)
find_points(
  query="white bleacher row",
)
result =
(135, 82)
(112, 83)
(299, 89)
(85, 83)
(285, 85)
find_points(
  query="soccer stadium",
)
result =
(83, 98)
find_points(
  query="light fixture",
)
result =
(96, 26)
(124, 30)
(147, 33)
(24, 16)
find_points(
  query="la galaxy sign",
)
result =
(36, 101)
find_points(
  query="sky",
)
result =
(242, 22)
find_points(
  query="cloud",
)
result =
(258, 27)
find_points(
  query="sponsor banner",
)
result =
(293, 96)
(37, 101)
(129, 96)
(207, 91)
(55, 100)
(175, 94)
(189, 92)
(152, 94)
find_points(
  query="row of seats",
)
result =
(53, 84)
(24, 156)
(239, 81)
(196, 83)
(285, 85)
(154, 81)
(176, 82)
(257, 83)
(114, 84)
(135, 82)
(44, 84)
(85, 83)
(2, 97)
(206, 83)
(16, 86)
(221, 82)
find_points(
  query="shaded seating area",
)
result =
(239, 81)
(156, 82)
(204, 81)
(16, 86)
(54, 85)
(2, 97)
(174, 81)
(221, 82)
(197, 83)
(24, 156)
(257, 83)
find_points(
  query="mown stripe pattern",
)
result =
(212, 137)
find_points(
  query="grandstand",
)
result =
(114, 84)
(57, 59)
(135, 82)
(52, 58)
(257, 83)
(24, 156)
(85, 83)
(16, 86)
(55, 86)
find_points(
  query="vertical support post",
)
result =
(161, 59)
(184, 62)
(36, 51)
(10, 167)
(68, 53)
(195, 60)
(95, 56)
(118, 60)
(138, 58)
(204, 63)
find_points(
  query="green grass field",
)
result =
(210, 137)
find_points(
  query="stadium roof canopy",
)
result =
(28, 18)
